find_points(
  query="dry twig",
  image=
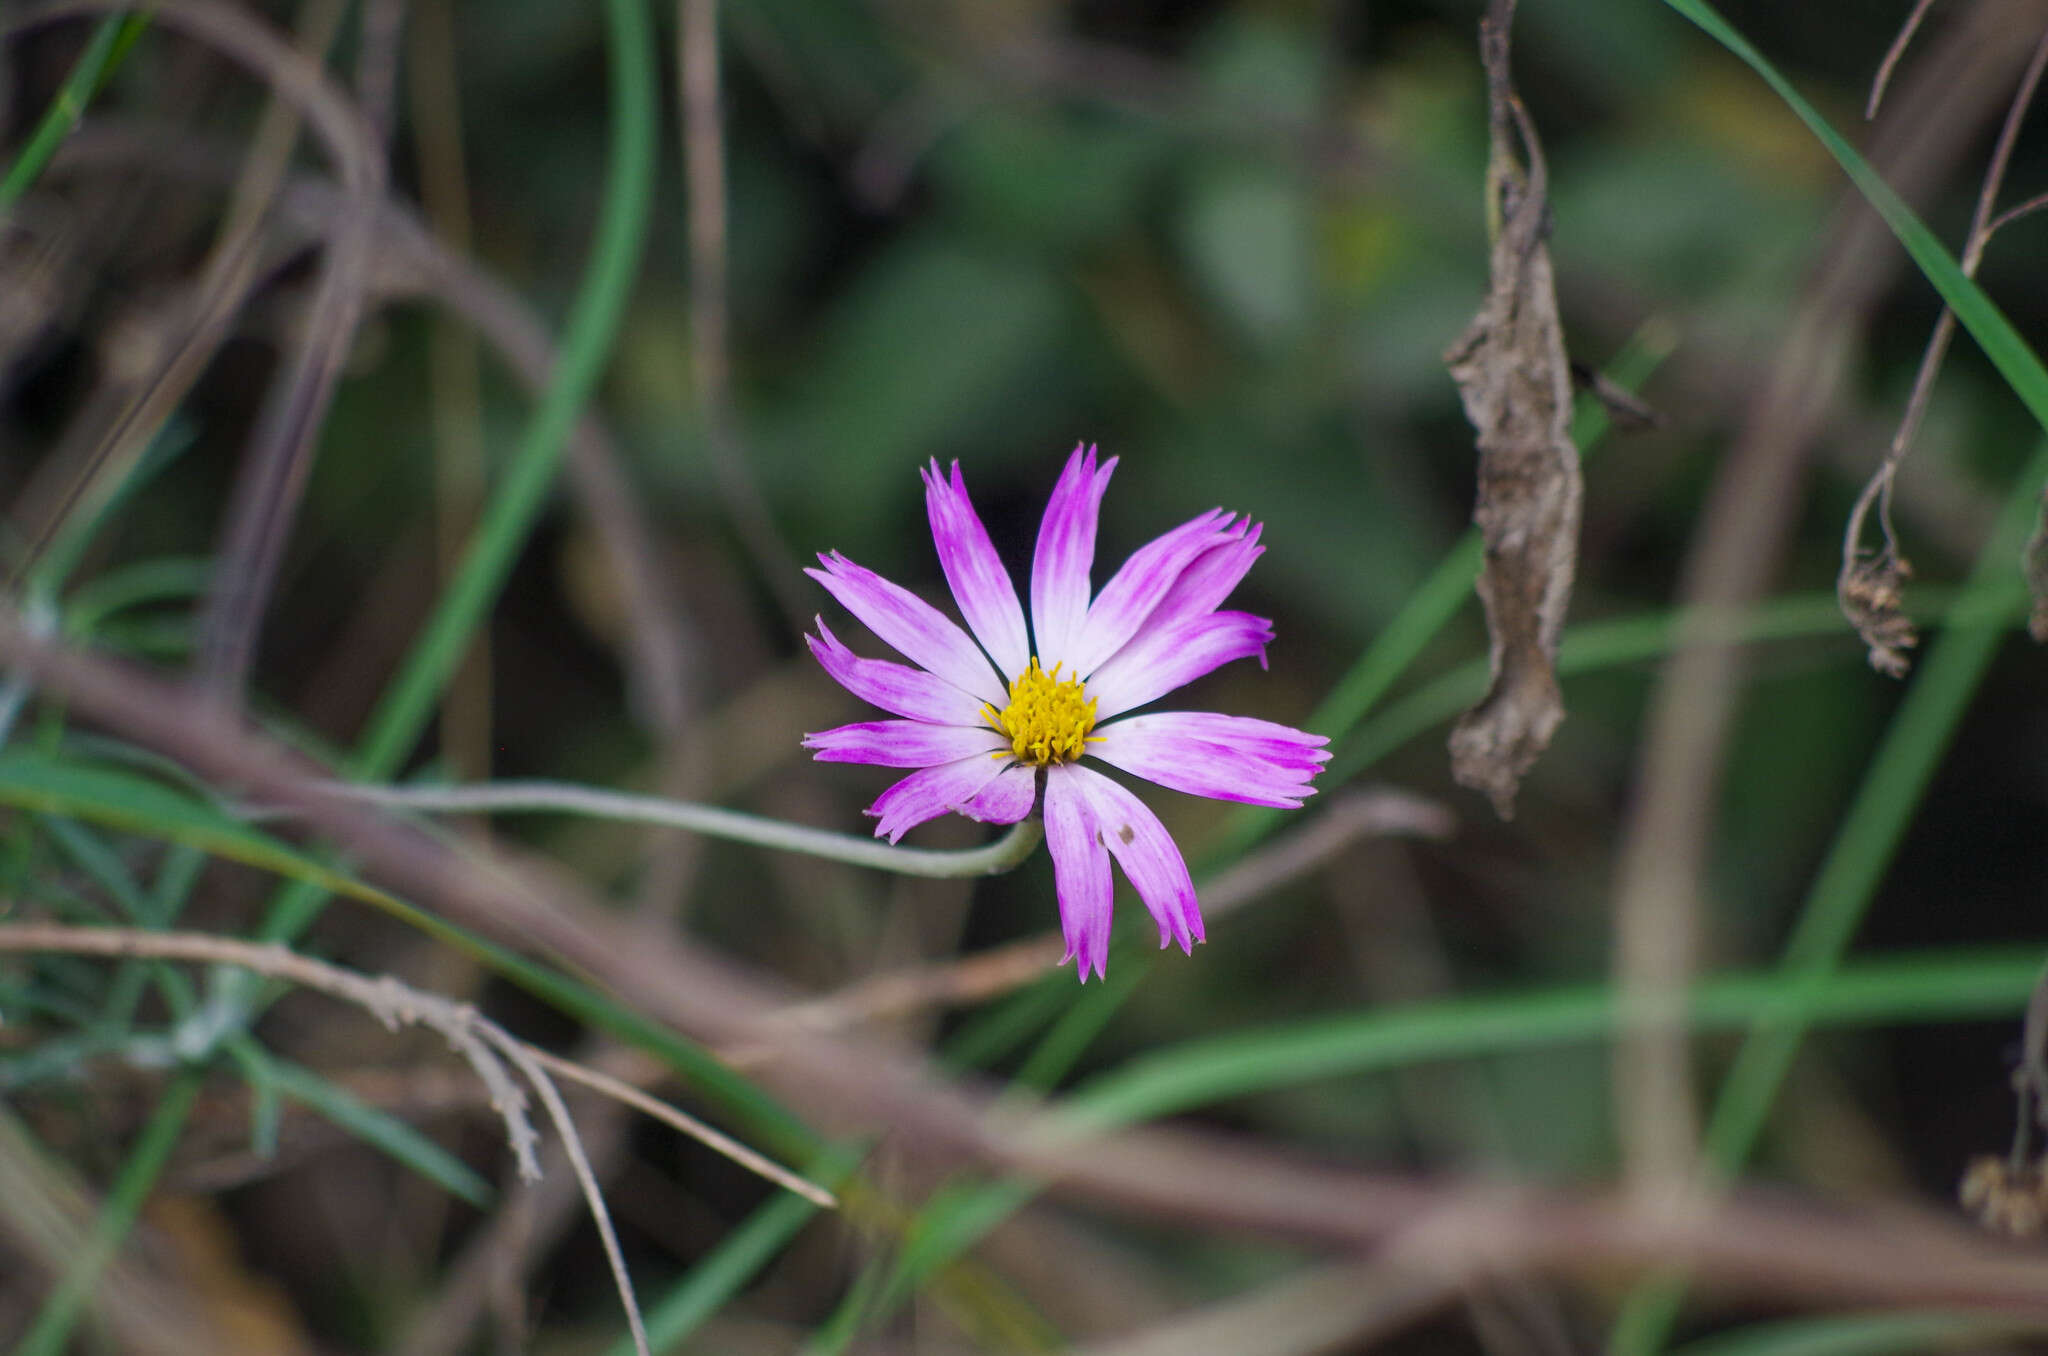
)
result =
(1870, 584)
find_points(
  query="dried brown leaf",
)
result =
(1871, 596)
(1516, 385)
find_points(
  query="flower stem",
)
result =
(990, 859)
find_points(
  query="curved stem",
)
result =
(990, 859)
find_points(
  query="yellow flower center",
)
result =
(1048, 718)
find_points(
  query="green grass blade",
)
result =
(52, 1329)
(170, 579)
(1976, 312)
(95, 66)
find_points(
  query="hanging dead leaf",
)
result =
(1516, 385)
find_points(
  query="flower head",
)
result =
(987, 719)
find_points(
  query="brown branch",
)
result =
(1870, 586)
(1892, 55)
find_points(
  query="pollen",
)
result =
(1048, 718)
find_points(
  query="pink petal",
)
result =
(902, 743)
(1137, 588)
(934, 791)
(896, 688)
(1160, 659)
(1222, 757)
(980, 584)
(917, 630)
(1141, 846)
(1204, 585)
(1005, 800)
(1066, 551)
(1080, 872)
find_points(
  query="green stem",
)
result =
(95, 67)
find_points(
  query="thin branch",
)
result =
(2014, 213)
(565, 798)
(383, 31)
(572, 1145)
(621, 1091)
(1892, 55)
(264, 504)
(413, 263)
(1869, 585)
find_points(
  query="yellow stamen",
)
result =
(1048, 718)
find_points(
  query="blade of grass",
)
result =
(1965, 986)
(594, 319)
(171, 579)
(1977, 313)
(96, 65)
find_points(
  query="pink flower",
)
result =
(988, 724)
